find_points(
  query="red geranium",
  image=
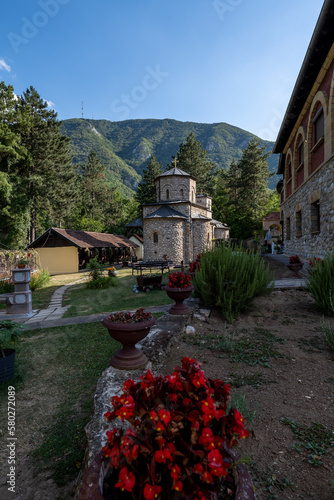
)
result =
(294, 259)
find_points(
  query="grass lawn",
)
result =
(83, 301)
(56, 373)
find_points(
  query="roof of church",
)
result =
(166, 212)
(219, 225)
(200, 216)
(176, 171)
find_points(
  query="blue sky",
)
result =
(233, 61)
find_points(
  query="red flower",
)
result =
(206, 438)
(198, 469)
(175, 471)
(178, 486)
(164, 416)
(126, 480)
(151, 492)
(164, 453)
(216, 463)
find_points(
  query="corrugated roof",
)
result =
(166, 212)
(87, 239)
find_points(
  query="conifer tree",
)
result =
(94, 191)
(191, 158)
(146, 192)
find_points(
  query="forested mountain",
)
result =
(124, 147)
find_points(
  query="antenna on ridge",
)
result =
(81, 109)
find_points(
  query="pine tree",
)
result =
(253, 179)
(146, 192)
(94, 191)
(191, 158)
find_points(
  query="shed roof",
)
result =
(86, 239)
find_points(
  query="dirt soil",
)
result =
(298, 386)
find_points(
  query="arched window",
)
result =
(155, 238)
(167, 194)
(181, 194)
(288, 172)
(317, 137)
(299, 179)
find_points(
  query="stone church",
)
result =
(180, 223)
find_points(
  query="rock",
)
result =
(190, 330)
(205, 312)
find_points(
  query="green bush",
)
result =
(101, 282)
(321, 283)
(230, 278)
(39, 279)
(6, 286)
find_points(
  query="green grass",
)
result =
(63, 366)
(255, 347)
(83, 301)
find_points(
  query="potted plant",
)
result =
(295, 265)
(178, 289)
(175, 443)
(9, 335)
(129, 329)
(112, 271)
(22, 263)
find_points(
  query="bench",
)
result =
(160, 264)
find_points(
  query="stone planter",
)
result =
(295, 268)
(92, 482)
(179, 295)
(129, 357)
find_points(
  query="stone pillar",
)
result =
(22, 303)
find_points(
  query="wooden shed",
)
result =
(63, 251)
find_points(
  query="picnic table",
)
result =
(138, 267)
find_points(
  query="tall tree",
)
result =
(146, 192)
(254, 172)
(191, 158)
(241, 196)
(35, 157)
(94, 191)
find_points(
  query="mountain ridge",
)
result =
(125, 147)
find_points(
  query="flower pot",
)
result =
(21, 266)
(7, 365)
(129, 357)
(92, 482)
(295, 268)
(179, 295)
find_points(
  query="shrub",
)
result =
(321, 283)
(101, 282)
(230, 279)
(39, 279)
(6, 286)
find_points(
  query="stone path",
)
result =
(53, 315)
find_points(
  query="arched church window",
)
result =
(167, 194)
(155, 238)
(181, 193)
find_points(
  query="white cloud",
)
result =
(50, 104)
(4, 65)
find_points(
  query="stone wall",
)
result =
(171, 237)
(202, 236)
(304, 239)
(176, 187)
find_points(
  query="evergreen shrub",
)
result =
(230, 279)
(96, 279)
(321, 283)
(39, 279)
